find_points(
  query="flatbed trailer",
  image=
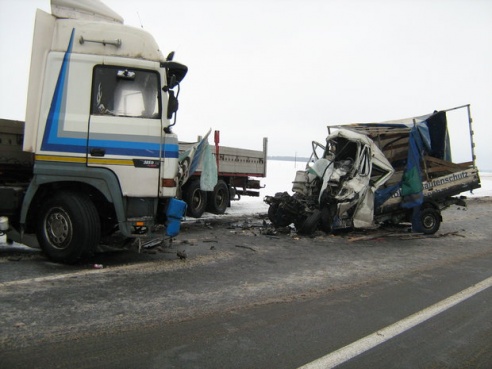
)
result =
(238, 174)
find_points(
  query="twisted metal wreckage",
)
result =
(373, 173)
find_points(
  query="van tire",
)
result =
(278, 216)
(431, 220)
(310, 224)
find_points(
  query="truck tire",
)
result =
(68, 227)
(218, 199)
(428, 221)
(196, 199)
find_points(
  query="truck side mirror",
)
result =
(172, 104)
(176, 70)
(171, 83)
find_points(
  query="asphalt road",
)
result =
(246, 298)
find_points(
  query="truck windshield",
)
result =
(123, 92)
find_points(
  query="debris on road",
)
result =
(246, 247)
(182, 254)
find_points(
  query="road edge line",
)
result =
(366, 343)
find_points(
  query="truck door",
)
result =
(125, 127)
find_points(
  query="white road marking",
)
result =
(76, 274)
(51, 277)
(163, 265)
(356, 348)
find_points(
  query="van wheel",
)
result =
(218, 200)
(272, 212)
(278, 216)
(196, 199)
(310, 224)
(68, 227)
(428, 221)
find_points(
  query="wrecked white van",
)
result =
(374, 173)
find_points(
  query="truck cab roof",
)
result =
(99, 31)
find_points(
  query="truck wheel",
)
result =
(218, 200)
(196, 199)
(68, 227)
(428, 221)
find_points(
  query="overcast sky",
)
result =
(286, 69)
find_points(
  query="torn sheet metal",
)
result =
(197, 154)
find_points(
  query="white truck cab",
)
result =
(100, 107)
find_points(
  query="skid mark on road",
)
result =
(364, 344)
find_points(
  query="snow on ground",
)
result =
(486, 190)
